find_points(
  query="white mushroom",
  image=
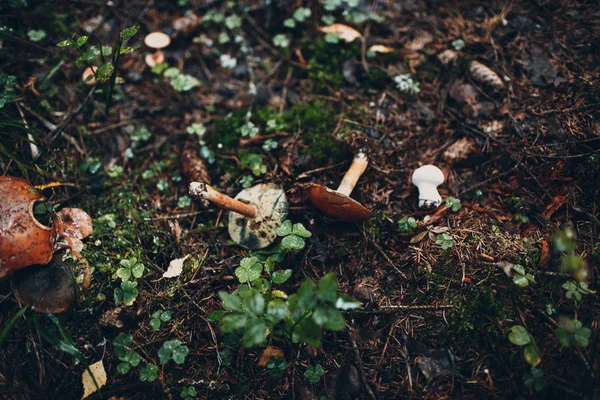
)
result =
(427, 178)
(158, 41)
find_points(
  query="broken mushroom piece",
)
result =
(427, 178)
(24, 240)
(158, 41)
(88, 76)
(255, 214)
(337, 204)
(51, 288)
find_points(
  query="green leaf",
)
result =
(285, 228)
(254, 304)
(519, 269)
(134, 359)
(582, 336)
(255, 333)
(309, 332)
(563, 336)
(124, 273)
(231, 302)
(81, 41)
(128, 33)
(521, 280)
(281, 276)
(519, 336)
(328, 287)
(329, 317)
(179, 354)
(64, 43)
(138, 270)
(165, 316)
(126, 50)
(104, 72)
(215, 315)
(148, 373)
(233, 322)
(306, 295)
(301, 231)
(277, 310)
(532, 355)
(123, 368)
(155, 323)
(130, 292)
(293, 242)
(345, 302)
(250, 269)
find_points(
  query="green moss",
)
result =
(325, 62)
(227, 130)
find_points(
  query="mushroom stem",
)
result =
(359, 165)
(204, 191)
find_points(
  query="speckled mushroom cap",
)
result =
(23, 239)
(272, 208)
(336, 205)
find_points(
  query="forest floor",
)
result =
(490, 295)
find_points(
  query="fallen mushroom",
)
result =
(337, 204)
(255, 214)
(427, 178)
(157, 41)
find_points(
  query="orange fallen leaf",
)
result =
(270, 351)
(345, 32)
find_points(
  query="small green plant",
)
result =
(7, 86)
(534, 379)
(188, 393)
(196, 129)
(445, 240)
(130, 269)
(180, 82)
(276, 366)
(269, 145)
(184, 201)
(173, 349)
(158, 318)
(314, 373)
(458, 44)
(292, 235)
(249, 129)
(572, 331)
(406, 84)
(281, 40)
(254, 162)
(521, 337)
(89, 55)
(129, 358)
(521, 277)
(564, 242)
(149, 373)
(575, 290)
(406, 223)
(521, 218)
(453, 204)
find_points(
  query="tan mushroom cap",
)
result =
(24, 240)
(272, 208)
(157, 40)
(50, 288)
(336, 205)
(89, 72)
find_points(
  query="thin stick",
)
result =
(204, 191)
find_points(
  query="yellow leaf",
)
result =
(270, 351)
(379, 48)
(98, 374)
(345, 32)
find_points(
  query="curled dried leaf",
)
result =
(379, 48)
(345, 32)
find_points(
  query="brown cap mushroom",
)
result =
(24, 240)
(256, 212)
(50, 288)
(337, 204)
(158, 41)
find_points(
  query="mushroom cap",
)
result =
(336, 205)
(87, 72)
(272, 207)
(24, 240)
(47, 288)
(154, 58)
(428, 173)
(157, 40)
(70, 226)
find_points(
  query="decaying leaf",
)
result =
(93, 382)
(345, 32)
(175, 267)
(447, 57)
(418, 237)
(421, 40)
(485, 75)
(379, 48)
(270, 351)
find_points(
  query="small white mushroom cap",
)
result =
(427, 178)
(157, 40)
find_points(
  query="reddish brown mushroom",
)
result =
(337, 204)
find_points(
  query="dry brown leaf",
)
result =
(447, 56)
(175, 267)
(345, 32)
(270, 351)
(418, 237)
(379, 48)
(98, 374)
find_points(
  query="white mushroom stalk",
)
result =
(427, 178)
(357, 168)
